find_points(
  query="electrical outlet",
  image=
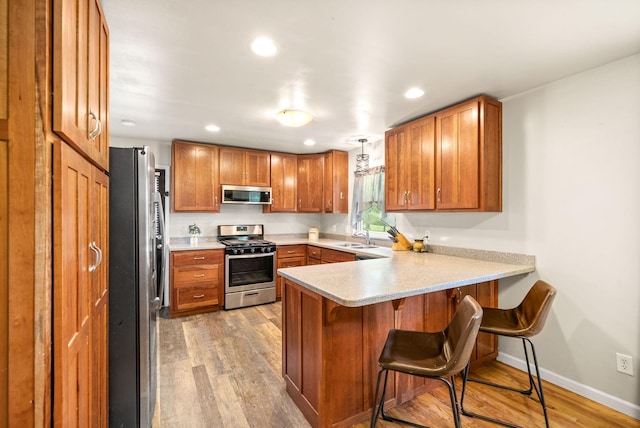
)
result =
(624, 364)
(427, 235)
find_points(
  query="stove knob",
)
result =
(264, 249)
(253, 250)
(235, 251)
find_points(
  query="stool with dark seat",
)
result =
(522, 322)
(430, 355)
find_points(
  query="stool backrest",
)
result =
(461, 333)
(535, 307)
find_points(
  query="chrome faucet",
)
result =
(365, 235)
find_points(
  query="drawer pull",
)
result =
(291, 251)
(198, 296)
(198, 258)
(200, 275)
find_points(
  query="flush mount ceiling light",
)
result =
(128, 122)
(293, 118)
(264, 46)
(212, 128)
(309, 142)
(414, 93)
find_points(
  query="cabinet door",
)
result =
(421, 174)
(458, 157)
(72, 292)
(310, 183)
(80, 77)
(336, 182)
(487, 297)
(397, 159)
(257, 168)
(232, 169)
(99, 209)
(284, 174)
(194, 180)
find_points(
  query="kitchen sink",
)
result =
(355, 245)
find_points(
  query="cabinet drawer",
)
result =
(334, 256)
(314, 252)
(286, 251)
(290, 262)
(184, 276)
(197, 257)
(195, 297)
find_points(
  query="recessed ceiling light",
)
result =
(414, 93)
(264, 46)
(309, 142)
(128, 122)
(212, 128)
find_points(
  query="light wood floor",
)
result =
(222, 369)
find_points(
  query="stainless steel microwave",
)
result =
(246, 195)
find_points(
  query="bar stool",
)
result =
(430, 355)
(522, 322)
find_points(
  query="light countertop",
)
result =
(399, 274)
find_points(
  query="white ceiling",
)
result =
(178, 65)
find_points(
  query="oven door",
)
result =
(249, 272)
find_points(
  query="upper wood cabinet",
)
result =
(194, 182)
(336, 182)
(310, 183)
(448, 161)
(81, 77)
(244, 167)
(284, 177)
(469, 156)
(409, 171)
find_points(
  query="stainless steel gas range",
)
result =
(250, 266)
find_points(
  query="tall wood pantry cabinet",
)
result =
(80, 214)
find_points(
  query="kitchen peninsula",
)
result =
(336, 319)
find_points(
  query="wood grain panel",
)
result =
(185, 275)
(197, 257)
(4, 283)
(4, 65)
(421, 175)
(311, 342)
(310, 183)
(231, 166)
(257, 168)
(194, 181)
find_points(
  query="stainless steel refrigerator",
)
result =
(135, 290)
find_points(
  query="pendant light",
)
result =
(362, 160)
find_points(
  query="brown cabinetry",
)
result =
(284, 175)
(310, 183)
(196, 281)
(469, 156)
(80, 77)
(448, 161)
(194, 182)
(289, 256)
(317, 255)
(244, 167)
(336, 182)
(80, 292)
(410, 172)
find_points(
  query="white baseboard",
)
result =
(603, 398)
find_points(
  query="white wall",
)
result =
(571, 197)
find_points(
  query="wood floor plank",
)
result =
(223, 370)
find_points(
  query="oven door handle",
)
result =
(248, 256)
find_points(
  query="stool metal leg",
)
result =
(532, 386)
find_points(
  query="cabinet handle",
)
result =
(404, 197)
(198, 258)
(198, 296)
(408, 197)
(300, 203)
(215, 201)
(329, 202)
(93, 247)
(341, 195)
(291, 251)
(97, 130)
(438, 195)
(200, 275)
(459, 297)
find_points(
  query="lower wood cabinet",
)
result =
(317, 255)
(289, 256)
(196, 281)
